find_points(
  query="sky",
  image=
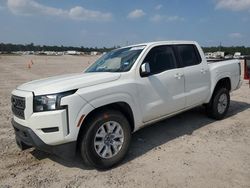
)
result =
(99, 23)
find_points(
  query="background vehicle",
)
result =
(237, 55)
(126, 89)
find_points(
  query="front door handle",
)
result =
(178, 76)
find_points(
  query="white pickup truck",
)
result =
(96, 111)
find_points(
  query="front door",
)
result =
(162, 92)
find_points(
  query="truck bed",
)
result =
(217, 60)
(226, 69)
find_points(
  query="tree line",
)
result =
(229, 50)
(8, 48)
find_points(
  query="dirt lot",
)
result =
(189, 150)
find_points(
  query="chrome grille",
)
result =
(18, 106)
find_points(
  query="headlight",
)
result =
(49, 102)
(45, 103)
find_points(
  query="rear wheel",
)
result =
(106, 140)
(219, 104)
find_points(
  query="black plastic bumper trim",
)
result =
(50, 129)
(26, 138)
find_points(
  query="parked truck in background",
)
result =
(97, 111)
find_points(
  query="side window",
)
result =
(161, 58)
(188, 54)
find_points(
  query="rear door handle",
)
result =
(203, 71)
(178, 75)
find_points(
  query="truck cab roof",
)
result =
(163, 43)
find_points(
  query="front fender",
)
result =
(119, 97)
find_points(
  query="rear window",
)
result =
(188, 54)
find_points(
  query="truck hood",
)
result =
(67, 82)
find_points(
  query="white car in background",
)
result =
(237, 55)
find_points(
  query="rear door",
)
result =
(196, 74)
(162, 92)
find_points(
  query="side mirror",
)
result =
(145, 69)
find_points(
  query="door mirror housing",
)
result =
(145, 69)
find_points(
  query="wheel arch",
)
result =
(120, 106)
(224, 82)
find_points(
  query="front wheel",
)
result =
(106, 140)
(219, 104)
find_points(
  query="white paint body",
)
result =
(150, 98)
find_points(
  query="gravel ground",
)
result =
(188, 150)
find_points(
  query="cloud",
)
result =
(80, 13)
(235, 5)
(159, 18)
(235, 35)
(158, 7)
(156, 18)
(174, 18)
(31, 7)
(137, 13)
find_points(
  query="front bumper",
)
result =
(26, 138)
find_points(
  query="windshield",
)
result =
(119, 60)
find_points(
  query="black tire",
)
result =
(213, 109)
(87, 146)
